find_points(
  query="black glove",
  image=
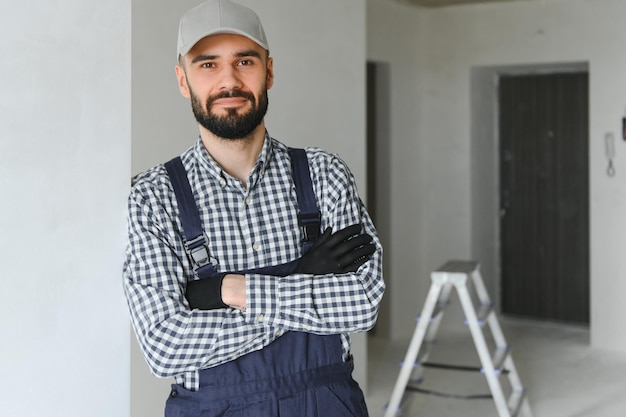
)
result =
(337, 253)
(205, 294)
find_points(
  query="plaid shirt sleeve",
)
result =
(175, 340)
(327, 304)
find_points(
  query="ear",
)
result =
(270, 72)
(183, 86)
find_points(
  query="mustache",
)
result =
(230, 94)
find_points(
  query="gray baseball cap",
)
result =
(218, 16)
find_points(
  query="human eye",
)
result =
(208, 65)
(245, 62)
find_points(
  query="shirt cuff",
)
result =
(261, 299)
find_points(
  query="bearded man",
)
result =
(248, 262)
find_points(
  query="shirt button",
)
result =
(256, 246)
(222, 182)
(260, 318)
(248, 200)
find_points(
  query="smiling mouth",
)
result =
(230, 102)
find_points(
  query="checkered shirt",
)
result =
(247, 227)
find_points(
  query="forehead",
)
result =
(225, 45)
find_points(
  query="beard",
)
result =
(232, 125)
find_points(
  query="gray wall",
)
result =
(318, 99)
(64, 176)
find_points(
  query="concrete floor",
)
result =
(564, 376)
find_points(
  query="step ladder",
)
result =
(463, 276)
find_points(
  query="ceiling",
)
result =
(443, 3)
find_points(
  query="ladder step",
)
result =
(416, 374)
(424, 352)
(499, 356)
(426, 347)
(482, 314)
(516, 400)
(439, 307)
(462, 267)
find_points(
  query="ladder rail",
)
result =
(413, 350)
(479, 285)
(514, 379)
(496, 330)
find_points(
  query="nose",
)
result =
(229, 78)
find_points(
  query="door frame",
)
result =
(484, 157)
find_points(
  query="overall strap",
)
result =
(309, 215)
(195, 241)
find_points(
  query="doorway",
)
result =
(378, 203)
(485, 168)
(544, 195)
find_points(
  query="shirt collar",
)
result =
(207, 162)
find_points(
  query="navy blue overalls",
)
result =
(299, 374)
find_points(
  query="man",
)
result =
(253, 320)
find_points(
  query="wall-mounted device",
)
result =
(609, 147)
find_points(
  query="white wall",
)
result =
(64, 175)
(432, 135)
(318, 99)
(393, 35)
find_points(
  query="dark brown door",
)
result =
(544, 196)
